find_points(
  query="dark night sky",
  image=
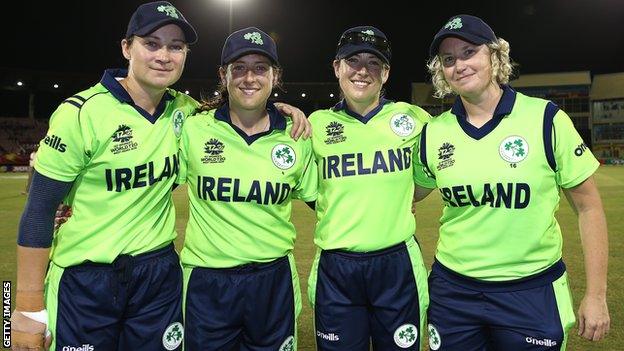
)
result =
(545, 35)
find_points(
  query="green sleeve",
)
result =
(63, 152)
(575, 162)
(307, 187)
(423, 116)
(183, 156)
(421, 176)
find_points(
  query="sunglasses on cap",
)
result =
(358, 38)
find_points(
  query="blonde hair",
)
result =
(502, 68)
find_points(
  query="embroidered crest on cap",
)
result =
(254, 37)
(168, 10)
(455, 23)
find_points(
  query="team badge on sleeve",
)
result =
(178, 121)
(405, 335)
(513, 149)
(173, 335)
(402, 124)
(283, 156)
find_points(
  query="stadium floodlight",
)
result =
(19, 83)
(216, 93)
(331, 95)
(303, 94)
(276, 94)
(231, 15)
(187, 92)
(55, 86)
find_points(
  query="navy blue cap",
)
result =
(364, 39)
(250, 40)
(150, 16)
(469, 28)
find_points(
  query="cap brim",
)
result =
(245, 51)
(473, 39)
(189, 32)
(350, 49)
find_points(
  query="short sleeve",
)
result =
(307, 186)
(575, 162)
(422, 175)
(62, 153)
(183, 157)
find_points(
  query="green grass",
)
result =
(610, 180)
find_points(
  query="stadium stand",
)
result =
(596, 106)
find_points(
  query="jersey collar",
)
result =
(504, 107)
(342, 105)
(276, 121)
(110, 82)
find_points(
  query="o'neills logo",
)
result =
(84, 347)
(55, 142)
(540, 342)
(328, 337)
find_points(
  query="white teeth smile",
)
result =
(248, 91)
(360, 84)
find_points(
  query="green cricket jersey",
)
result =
(365, 175)
(123, 162)
(500, 185)
(240, 189)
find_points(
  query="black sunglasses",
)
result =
(379, 43)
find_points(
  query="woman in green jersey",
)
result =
(242, 170)
(499, 159)
(368, 282)
(113, 278)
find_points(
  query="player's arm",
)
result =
(575, 165)
(593, 314)
(34, 241)
(306, 188)
(420, 192)
(301, 125)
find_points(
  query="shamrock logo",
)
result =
(168, 10)
(254, 37)
(283, 156)
(516, 147)
(406, 335)
(455, 23)
(513, 149)
(435, 341)
(172, 338)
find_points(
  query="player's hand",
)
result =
(63, 212)
(28, 334)
(301, 125)
(593, 316)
